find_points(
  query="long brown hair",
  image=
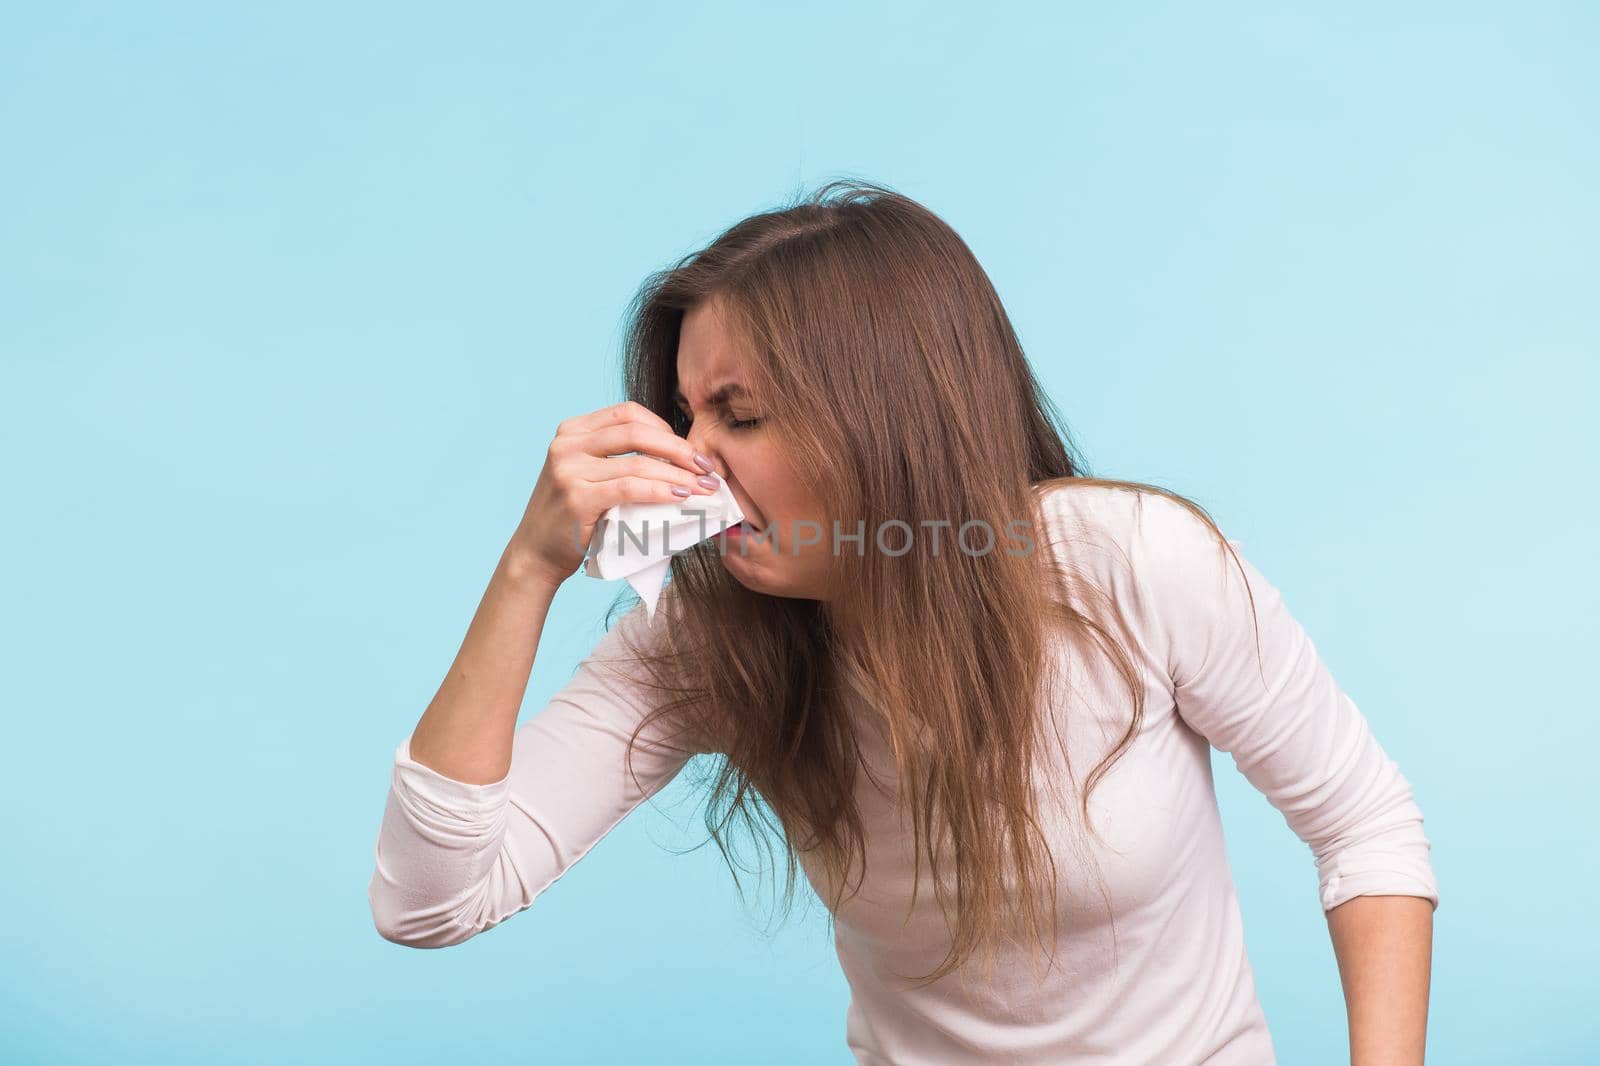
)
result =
(880, 351)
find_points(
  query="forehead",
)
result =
(708, 355)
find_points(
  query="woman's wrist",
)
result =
(524, 571)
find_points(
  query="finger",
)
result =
(600, 496)
(613, 415)
(638, 437)
(595, 469)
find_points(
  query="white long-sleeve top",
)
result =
(1150, 966)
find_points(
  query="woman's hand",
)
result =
(586, 473)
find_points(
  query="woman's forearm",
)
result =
(622, 453)
(1384, 947)
(466, 731)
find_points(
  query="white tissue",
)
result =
(665, 530)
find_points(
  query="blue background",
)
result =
(292, 300)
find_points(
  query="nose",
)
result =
(704, 442)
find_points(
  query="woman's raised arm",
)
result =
(465, 733)
(482, 816)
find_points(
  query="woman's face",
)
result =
(749, 454)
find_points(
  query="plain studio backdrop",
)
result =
(292, 300)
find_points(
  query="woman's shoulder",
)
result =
(1137, 529)
(1125, 510)
(1075, 499)
(1082, 514)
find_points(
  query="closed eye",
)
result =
(736, 424)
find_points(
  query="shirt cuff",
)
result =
(437, 798)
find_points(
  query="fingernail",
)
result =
(679, 490)
(704, 464)
(708, 482)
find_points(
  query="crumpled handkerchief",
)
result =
(637, 541)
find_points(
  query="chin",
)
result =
(747, 572)
(756, 581)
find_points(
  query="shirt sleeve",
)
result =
(1276, 708)
(454, 858)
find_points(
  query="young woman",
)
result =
(979, 706)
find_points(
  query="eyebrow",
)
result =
(722, 395)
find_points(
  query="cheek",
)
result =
(780, 482)
(761, 479)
